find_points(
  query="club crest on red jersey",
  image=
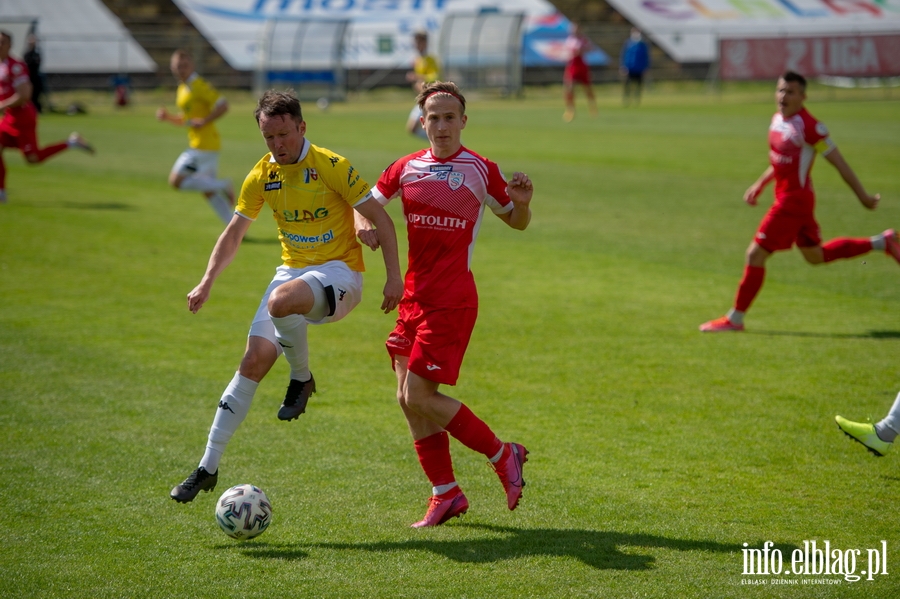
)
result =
(455, 179)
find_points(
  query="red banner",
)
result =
(837, 55)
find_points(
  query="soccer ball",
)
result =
(244, 512)
(323, 103)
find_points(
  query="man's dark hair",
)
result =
(441, 87)
(790, 76)
(275, 103)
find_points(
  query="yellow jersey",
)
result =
(427, 68)
(196, 99)
(312, 203)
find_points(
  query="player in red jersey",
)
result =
(18, 128)
(795, 137)
(577, 71)
(444, 190)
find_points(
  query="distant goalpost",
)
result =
(483, 50)
(306, 55)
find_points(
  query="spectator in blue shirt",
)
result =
(634, 62)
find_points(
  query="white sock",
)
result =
(878, 242)
(440, 490)
(735, 316)
(221, 206)
(889, 427)
(290, 331)
(233, 408)
(204, 183)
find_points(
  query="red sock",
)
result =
(846, 247)
(472, 432)
(434, 456)
(45, 153)
(749, 287)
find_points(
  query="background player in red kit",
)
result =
(795, 137)
(577, 71)
(18, 129)
(444, 190)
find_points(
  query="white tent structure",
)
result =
(75, 36)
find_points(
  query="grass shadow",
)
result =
(602, 550)
(263, 550)
(868, 335)
(100, 206)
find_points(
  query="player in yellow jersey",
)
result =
(425, 70)
(314, 195)
(196, 169)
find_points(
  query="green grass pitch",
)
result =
(657, 452)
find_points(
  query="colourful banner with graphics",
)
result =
(690, 30)
(844, 56)
(379, 33)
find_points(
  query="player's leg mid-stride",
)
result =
(509, 470)
(199, 480)
(864, 433)
(296, 398)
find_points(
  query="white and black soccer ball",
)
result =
(323, 103)
(244, 512)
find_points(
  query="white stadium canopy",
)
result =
(75, 36)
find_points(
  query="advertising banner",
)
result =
(379, 34)
(689, 30)
(844, 56)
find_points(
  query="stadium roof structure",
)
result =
(75, 36)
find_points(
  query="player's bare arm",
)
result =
(223, 253)
(752, 193)
(164, 115)
(21, 94)
(520, 189)
(218, 110)
(850, 178)
(387, 239)
(365, 231)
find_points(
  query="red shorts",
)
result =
(19, 133)
(779, 231)
(435, 340)
(577, 71)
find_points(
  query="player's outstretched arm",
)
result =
(837, 160)
(387, 239)
(520, 189)
(752, 193)
(167, 117)
(222, 255)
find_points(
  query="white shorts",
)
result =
(342, 287)
(415, 113)
(196, 162)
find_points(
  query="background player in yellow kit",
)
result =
(313, 194)
(196, 169)
(425, 70)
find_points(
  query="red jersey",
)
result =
(793, 144)
(443, 203)
(12, 73)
